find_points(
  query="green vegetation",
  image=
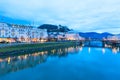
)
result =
(23, 47)
(54, 28)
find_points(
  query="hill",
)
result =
(95, 35)
(54, 28)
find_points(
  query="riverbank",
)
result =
(30, 47)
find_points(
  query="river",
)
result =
(71, 63)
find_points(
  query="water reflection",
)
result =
(103, 50)
(81, 48)
(115, 50)
(89, 49)
(15, 63)
(93, 44)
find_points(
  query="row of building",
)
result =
(12, 33)
(60, 36)
(22, 33)
(114, 37)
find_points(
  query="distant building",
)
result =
(12, 33)
(59, 36)
(115, 37)
(72, 35)
(56, 36)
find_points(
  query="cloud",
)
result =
(82, 15)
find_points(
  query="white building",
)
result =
(12, 33)
(72, 35)
(115, 37)
(57, 35)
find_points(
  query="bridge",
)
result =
(104, 42)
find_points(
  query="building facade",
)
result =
(13, 33)
(60, 36)
(114, 37)
(72, 35)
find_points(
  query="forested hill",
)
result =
(54, 28)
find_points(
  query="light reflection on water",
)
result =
(16, 63)
(96, 63)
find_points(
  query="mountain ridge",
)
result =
(95, 35)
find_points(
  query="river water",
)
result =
(71, 63)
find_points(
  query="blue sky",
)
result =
(80, 15)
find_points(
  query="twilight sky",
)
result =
(80, 15)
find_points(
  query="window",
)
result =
(2, 31)
(13, 32)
